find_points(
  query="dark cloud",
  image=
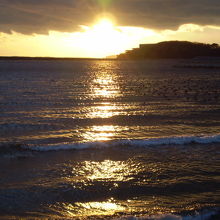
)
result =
(169, 13)
(40, 16)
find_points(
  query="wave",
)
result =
(181, 140)
(11, 149)
(204, 215)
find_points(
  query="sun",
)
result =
(103, 38)
(104, 24)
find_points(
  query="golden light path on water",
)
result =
(104, 86)
(106, 171)
(93, 208)
(105, 110)
(100, 133)
(112, 173)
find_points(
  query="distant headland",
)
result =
(172, 50)
(161, 50)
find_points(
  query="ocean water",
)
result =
(109, 140)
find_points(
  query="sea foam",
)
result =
(204, 215)
(175, 140)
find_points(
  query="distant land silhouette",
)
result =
(172, 50)
(161, 50)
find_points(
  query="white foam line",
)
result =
(182, 140)
(198, 216)
(177, 140)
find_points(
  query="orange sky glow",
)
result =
(104, 38)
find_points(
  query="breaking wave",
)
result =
(177, 140)
(181, 140)
(202, 215)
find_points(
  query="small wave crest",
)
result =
(22, 150)
(202, 215)
(181, 140)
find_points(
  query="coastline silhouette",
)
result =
(172, 50)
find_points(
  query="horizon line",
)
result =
(53, 58)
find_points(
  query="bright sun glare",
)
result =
(104, 24)
(104, 38)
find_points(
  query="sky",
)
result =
(99, 28)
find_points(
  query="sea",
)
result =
(109, 139)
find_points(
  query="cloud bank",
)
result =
(41, 16)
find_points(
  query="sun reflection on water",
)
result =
(104, 110)
(108, 207)
(100, 133)
(105, 83)
(104, 86)
(107, 170)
